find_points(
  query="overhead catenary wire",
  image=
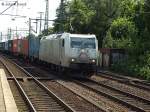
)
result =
(8, 7)
(14, 15)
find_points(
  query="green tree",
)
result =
(139, 16)
(61, 20)
(122, 28)
(121, 34)
(105, 12)
(147, 14)
(80, 16)
(108, 41)
(127, 8)
(88, 16)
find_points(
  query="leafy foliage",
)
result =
(122, 28)
(61, 20)
(108, 41)
(131, 31)
(147, 13)
(80, 17)
(88, 16)
(121, 34)
(127, 8)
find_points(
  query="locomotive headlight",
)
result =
(93, 61)
(82, 50)
(72, 60)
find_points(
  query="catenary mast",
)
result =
(46, 15)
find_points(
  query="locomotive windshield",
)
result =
(83, 43)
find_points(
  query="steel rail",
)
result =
(125, 80)
(123, 92)
(30, 78)
(41, 85)
(39, 78)
(123, 77)
(134, 107)
(93, 103)
(61, 102)
(25, 97)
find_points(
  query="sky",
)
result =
(28, 8)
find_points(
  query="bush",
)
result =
(145, 72)
(132, 68)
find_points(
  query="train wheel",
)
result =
(89, 74)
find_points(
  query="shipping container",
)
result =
(110, 56)
(24, 47)
(2, 46)
(34, 45)
(10, 45)
(15, 46)
(6, 46)
(19, 45)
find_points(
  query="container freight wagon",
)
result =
(10, 46)
(19, 45)
(34, 45)
(6, 46)
(16, 46)
(24, 47)
(111, 56)
(2, 46)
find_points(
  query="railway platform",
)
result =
(7, 102)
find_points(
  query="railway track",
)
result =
(39, 100)
(103, 103)
(133, 82)
(37, 96)
(122, 86)
(20, 102)
(73, 99)
(134, 102)
(107, 103)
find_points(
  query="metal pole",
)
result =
(61, 27)
(10, 33)
(29, 27)
(40, 21)
(36, 25)
(46, 15)
(16, 32)
(1, 37)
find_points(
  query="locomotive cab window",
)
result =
(83, 43)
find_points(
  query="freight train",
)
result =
(62, 52)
